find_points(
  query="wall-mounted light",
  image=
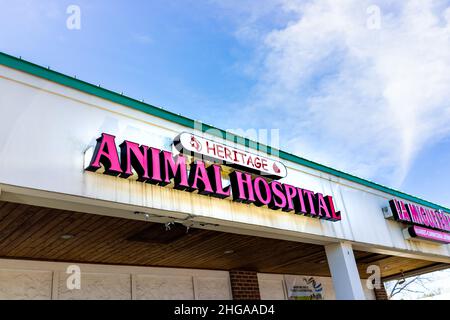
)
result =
(146, 215)
(387, 212)
(168, 224)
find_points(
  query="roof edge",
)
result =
(71, 82)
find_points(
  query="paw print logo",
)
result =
(275, 168)
(196, 144)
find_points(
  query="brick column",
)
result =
(381, 294)
(244, 285)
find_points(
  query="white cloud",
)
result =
(142, 38)
(363, 100)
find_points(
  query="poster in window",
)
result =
(304, 288)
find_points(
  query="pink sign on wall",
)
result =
(425, 223)
(206, 149)
(159, 167)
(413, 214)
(428, 234)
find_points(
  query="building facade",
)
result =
(146, 204)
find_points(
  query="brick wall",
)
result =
(381, 294)
(244, 285)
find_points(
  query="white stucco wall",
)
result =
(38, 280)
(47, 127)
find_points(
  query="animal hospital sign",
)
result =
(160, 167)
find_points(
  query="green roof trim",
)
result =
(62, 79)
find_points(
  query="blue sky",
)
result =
(369, 99)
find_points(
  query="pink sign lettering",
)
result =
(421, 216)
(161, 167)
(428, 234)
